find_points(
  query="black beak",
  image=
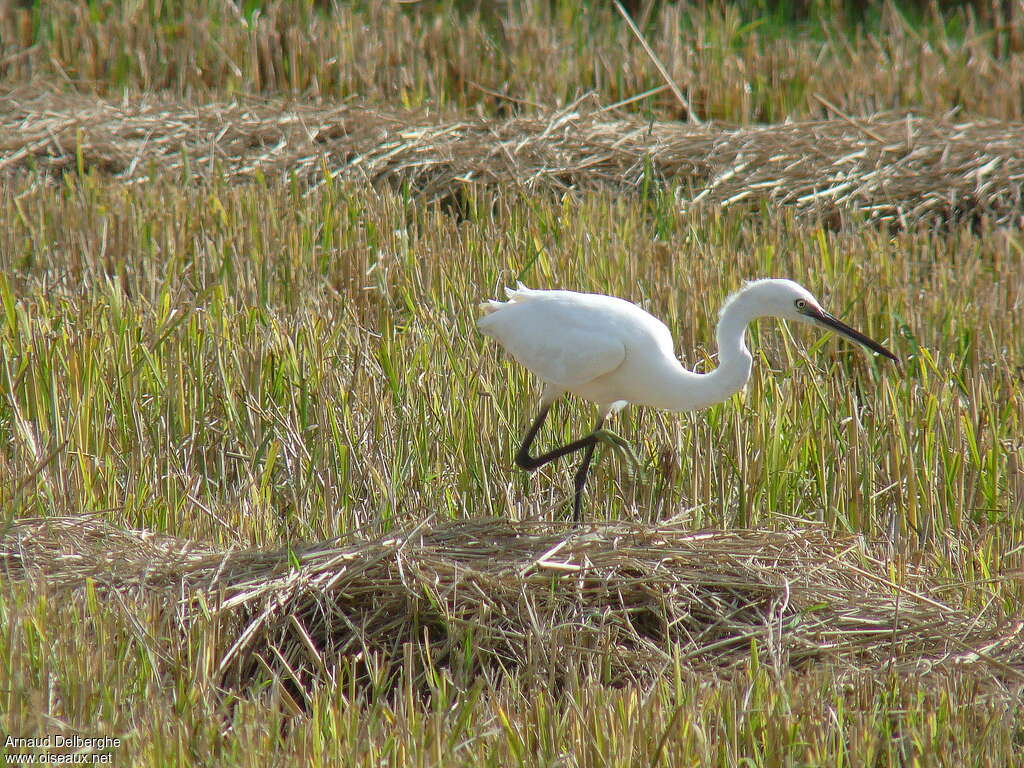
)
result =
(825, 319)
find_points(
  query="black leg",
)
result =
(586, 444)
(525, 461)
(581, 475)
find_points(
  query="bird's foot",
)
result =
(621, 447)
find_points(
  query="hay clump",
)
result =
(624, 602)
(898, 170)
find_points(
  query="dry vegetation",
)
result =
(265, 365)
(622, 603)
(882, 169)
(258, 495)
(502, 57)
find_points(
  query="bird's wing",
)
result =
(560, 336)
(571, 357)
(566, 356)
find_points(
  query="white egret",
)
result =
(611, 352)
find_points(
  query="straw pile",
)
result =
(898, 170)
(619, 601)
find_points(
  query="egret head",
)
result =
(789, 300)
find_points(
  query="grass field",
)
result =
(264, 364)
(759, 61)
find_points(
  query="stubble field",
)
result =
(244, 357)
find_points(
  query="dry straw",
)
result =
(619, 601)
(898, 170)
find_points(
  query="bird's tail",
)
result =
(490, 305)
(514, 294)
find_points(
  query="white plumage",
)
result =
(611, 352)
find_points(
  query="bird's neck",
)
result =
(734, 360)
(674, 388)
(677, 389)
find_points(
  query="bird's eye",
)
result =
(801, 304)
